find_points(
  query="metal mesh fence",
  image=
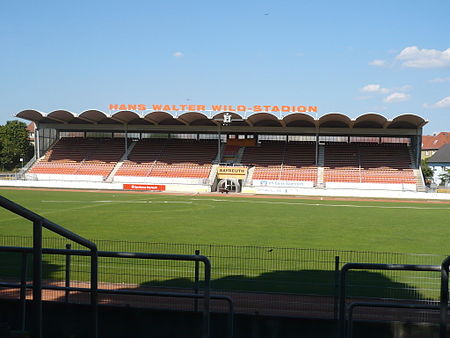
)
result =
(266, 280)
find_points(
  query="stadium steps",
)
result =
(220, 153)
(320, 181)
(411, 156)
(239, 155)
(249, 177)
(321, 158)
(116, 168)
(420, 184)
(130, 148)
(119, 164)
(26, 167)
(213, 174)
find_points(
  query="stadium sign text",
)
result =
(214, 107)
(146, 187)
(231, 172)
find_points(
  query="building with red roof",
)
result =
(432, 143)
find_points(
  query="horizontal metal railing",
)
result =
(38, 223)
(444, 268)
(229, 300)
(135, 255)
(444, 298)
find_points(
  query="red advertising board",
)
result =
(146, 187)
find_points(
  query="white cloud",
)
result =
(396, 97)
(374, 88)
(404, 88)
(363, 97)
(414, 57)
(444, 103)
(378, 63)
(440, 80)
(178, 54)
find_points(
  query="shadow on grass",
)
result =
(304, 282)
(11, 265)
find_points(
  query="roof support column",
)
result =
(317, 148)
(418, 147)
(126, 142)
(37, 142)
(219, 143)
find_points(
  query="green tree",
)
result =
(427, 171)
(14, 144)
(445, 177)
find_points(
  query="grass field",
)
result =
(292, 223)
(378, 226)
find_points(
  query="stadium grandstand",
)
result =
(266, 288)
(227, 151)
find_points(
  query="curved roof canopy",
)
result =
(299, 120)
(331, 120)
(370, 120)
(264, 120)
(335, 120)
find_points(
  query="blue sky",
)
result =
(353, 57)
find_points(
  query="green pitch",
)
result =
(261, 227)
(291, 223)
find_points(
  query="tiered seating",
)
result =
(387, 156)
(189, 152)
(81, 156)
(369, 176)
(292, 161)
(368, 163)
(230, 150)
(300, 154)
(268, 154)
(342, 175)
(342, 163)
(142, 157)
(267, 159)
(341, 156)
(170, 158)
(229, 153)
(299, 162)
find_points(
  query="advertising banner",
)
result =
(284, 184)
(232, 172)
(145, 187)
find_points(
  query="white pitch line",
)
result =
(320, 204)
(252, 202)
(128, 202)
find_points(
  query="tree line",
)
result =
(14, 145)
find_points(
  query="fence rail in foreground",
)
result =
(282, 281)
(443, 308)
(127, 255)
(40, 222)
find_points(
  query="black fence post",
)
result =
(443, 325)
(23, 290)
(336, 286)
(94, 291)
(67, 281)
(37, 279)
(196, 280)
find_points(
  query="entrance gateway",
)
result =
(230, 178)
(229, 185)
